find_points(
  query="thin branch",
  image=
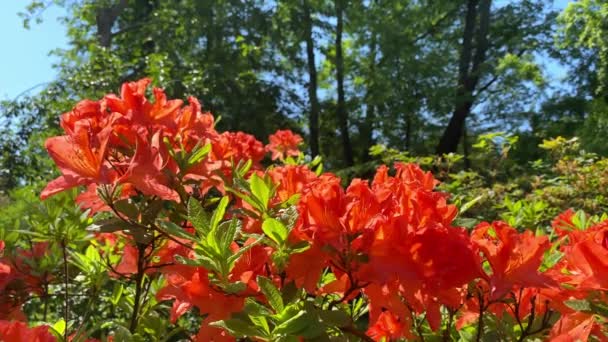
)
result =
(353, 331)
(66, 279)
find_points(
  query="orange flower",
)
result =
(578, 326)
(291, 180)
(80, 157)
(15, 331)
(146, 171)
(514, 257)
(387, 327)
(192, 288)
(284, 143)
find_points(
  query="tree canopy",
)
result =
(420, 76)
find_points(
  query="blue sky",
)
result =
(25, 61)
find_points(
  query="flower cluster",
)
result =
(285, 251)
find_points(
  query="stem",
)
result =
(446, 332)
(90, 306)
(526, 332)
(141, 261)
(353, 331)
(480, 322)
(66, 307)
(45, 299)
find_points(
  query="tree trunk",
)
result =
(341, 107)
(105, 19)
(468, 75)
(465, 148)
(313, 119)
(370, 102)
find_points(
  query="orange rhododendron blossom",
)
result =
(386, 327)
(291, 180)
(80, 157)
(194, 289)
(514, 257)
(18, 279)
(578, 326)
(284, 143)
(15, 331)
(146, 170)
(156, 167)
(586, 259)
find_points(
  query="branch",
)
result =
(351, 330)
(495, 78)
(434, 26)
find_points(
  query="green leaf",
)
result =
(469, 204)
(299, 247)
(253, 308)
(271, 293)
(238, 327)
(260, 190)
(219, 212)
(92, 254)
(126, 207)
(233, 258)
(199, 154)
(275, 230)
(234, 287)
(122, 334)
(262, 323)
(298, 322)
(225, 235)
(175, 230)
(60, 326)
(336, 318)
(151, 212)
(109, 226)
(116, 293)
(198, 216)
(201, 260)
(579, 305)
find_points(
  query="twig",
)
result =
(141, 249)
(351, 330)
(480, 321)
(66, 309)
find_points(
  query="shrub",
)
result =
(197, 234)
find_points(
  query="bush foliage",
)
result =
(162, 228)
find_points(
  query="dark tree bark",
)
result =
(341, 106)
(105, 19)
(468, 71)
(313, 118)
(367, 128)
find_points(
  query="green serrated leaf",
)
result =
(271, 293)
(579, 305)
(233, 258)
(260, 190)
(201, 260)
(198, 217)
(225, 234)
(297, 323)
(199, 154)
(126, 207)
(238, 327)
(262, 323)
(175, 230)
(116, 293)
(275, 230)
(219, 213)
(60, 326)
(234, 287)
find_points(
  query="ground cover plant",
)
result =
(162, 228)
